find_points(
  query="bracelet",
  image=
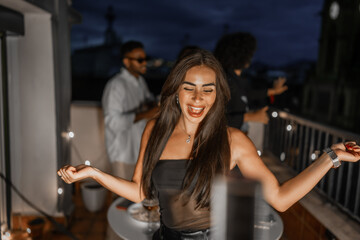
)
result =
(334, 158)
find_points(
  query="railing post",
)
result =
(357, 193)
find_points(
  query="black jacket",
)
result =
(241, 94)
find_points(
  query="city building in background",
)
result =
(93, 66)
(332, 93)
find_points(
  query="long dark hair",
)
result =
(210, 153)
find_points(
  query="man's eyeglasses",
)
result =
(139, 60)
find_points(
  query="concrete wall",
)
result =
(39, 95)
(87, 123)
(32, 115)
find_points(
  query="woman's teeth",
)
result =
(195, 109)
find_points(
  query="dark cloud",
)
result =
(285, 30)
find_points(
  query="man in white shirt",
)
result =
(126, 109)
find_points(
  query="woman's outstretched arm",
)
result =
(128, 189)
(281, 197)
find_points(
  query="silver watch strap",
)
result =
(333, 156)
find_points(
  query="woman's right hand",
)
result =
(72, 174)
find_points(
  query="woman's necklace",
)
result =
(188, 140)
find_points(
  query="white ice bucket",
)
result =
(93, 195)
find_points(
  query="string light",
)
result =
(282, 156)
(259, 152)
(71, 134)
(315, 155)
(60, 191)
(274, 114)
(68, 135)
(289, 127)
(15, 234)
(87, 163)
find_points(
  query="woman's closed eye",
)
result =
(204, 90)
(208, 90)
(188, 89)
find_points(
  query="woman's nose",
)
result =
(197, 95)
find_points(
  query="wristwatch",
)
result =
(334, 158)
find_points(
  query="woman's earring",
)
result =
(177, 99)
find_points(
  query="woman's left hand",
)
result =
(348, 151)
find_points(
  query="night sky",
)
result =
(286, 30)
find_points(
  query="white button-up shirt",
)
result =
(123, 96)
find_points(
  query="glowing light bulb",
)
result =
(313, 156)
(60, 191)
(259, 152)
(71, 134)
(282, 156)
(87, 163)
(28, 230)
(289, 127)
(274, 114)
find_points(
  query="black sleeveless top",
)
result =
(177, 212)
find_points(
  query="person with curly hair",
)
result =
(235, 51)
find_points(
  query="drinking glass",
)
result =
(151, 206)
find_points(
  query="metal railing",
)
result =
(298, 142)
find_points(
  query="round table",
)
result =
(270, 227)
(128, 228)
(123, 224)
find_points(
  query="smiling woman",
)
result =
(180, 172)
(197, 93)
(192, 104)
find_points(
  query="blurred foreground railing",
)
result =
(298, 142)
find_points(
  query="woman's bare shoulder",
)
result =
(238, 139)
(235, 133)
(149, 127)
(150, 124)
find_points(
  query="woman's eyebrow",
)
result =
(192, 84)
(204, 85)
